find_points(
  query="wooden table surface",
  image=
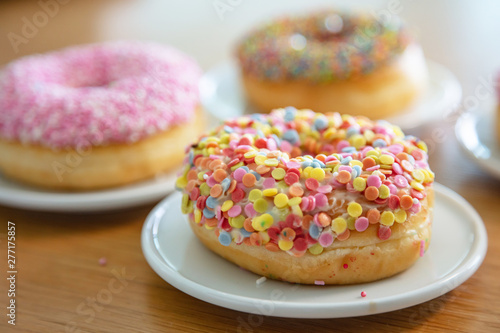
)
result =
(61, 287)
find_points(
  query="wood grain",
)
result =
(58, 255)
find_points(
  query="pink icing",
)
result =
(116, 92)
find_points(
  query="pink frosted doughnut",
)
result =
(97, 116)
(115, 92)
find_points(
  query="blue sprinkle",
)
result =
(256, 174)
(315, 165)
(314, 231)
(349, 150)
(244, 168)
(208, 213)
(379, 143)
(305, 164)
(191, 157)
(245, 233)
(291, 136)
(290, 112)
(275, 137)
(212, 202)
(346, 160)
(357, 169)
(321, 164)
(352, 131)
(260, 133)
(225, 238)
(225, 184)
(228, 129)
(411, 159)
(321, 123)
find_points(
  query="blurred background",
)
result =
(460, 34)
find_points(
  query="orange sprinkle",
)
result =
(295, 152)
(344, 235)
(373, 216)
(205, 162)
(213, 164)
(198, 161)
(321, 157)
(190, 185)
(212, 222)
(295, 190)
(368, 162)
(248, 225)
(212, 145)
(371, 193)
(306, 221)
(272, 247)
(219, 175)
(262, 169)
(232, 187)
(246, 241)
(216, 191)
(406, 202)
(288, 234)
(402, 156)
(252, 166)
(249, 180)
(192, 175)
(344, 177)
(273, 154)
(324, 219)
(255, 239)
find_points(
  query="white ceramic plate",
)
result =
(21, 196)
(223, 97)
(476, 133)
(457, 249)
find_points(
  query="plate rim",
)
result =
(463, 271)
(450, 101)
(27, 197)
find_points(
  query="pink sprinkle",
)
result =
(384, 232)
(234, 211)
(400, 181)
(286, 146)
(393, 189)
(374, 180)
(373, 168)
(304, 203)
(271, 144)
(319, 282)
(324, 189)
(249, 210)
(422, 247)
(363, 294)
(361, 224)
(345, 167)
(292, 165)
(321, 200)
(326, 239)
(346, 266)
(396, 148)
(238, 174)
(269, 183)
(211, 181)
(342, 144)
(103, 261)
(415, 208)
(397, 168)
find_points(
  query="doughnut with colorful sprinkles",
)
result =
(305, 197)
(332, 62)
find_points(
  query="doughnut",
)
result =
(97, 116)
(332, 62)
(310, 198)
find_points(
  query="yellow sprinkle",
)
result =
(262, 222)
(285, 245)
(384, 192)
(281, 200)
(318, 174)
(357, 141)
(197, 215)
(316, 249)
(369, 135)
(400, 215)
(250, 154)
(254, 195)
(260, 159)
(422, 145)
(181, 182)
(270, 192)
(373, 152)
(260, 205)
(204, 189)
(237, 222)
(350, 223)
(200, 175)
(386, 159)
(207, 227)
(354, 209)
(307, 172)
(339, 225)
(294, 201)
(359, 184)
(416, 185)
(264, 236)
(355, 162)
(296, 210)
(418, 175)
(236, 166)
(278, 173)
(271, 162)
(227, 205)
(186, 203)
(387, 218)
